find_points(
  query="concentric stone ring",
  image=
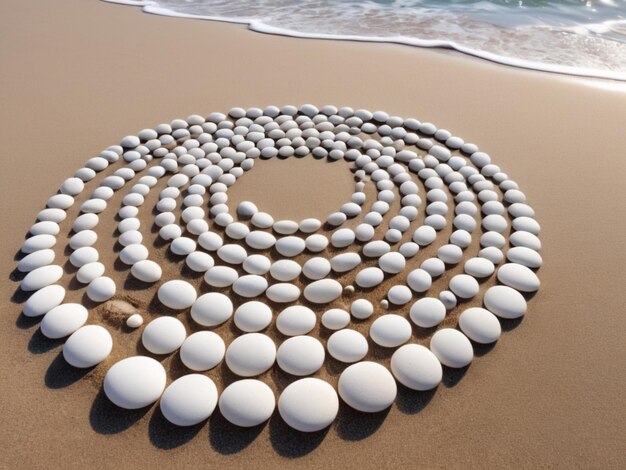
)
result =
(436, 248)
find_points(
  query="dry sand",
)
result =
(79, 75)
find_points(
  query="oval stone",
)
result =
(163, 335)
(88, 346)
(177, 294)
(41, 277)
(427, 312)
(296, 320)
(452, 348)
(367, 386)
(347, 345)
(250, 354)
(300, 355)
(211, 309)
(189, 400)
(505, 302)
(247, 403)
(323, 291)
(518, 277)
(480, 325)
(63, 320)
(253, 316)
(202, 351)
(390, 330)
(308, 405)
(44, 300)
(416, 367)
(135, 382)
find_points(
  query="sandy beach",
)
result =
(77, 76)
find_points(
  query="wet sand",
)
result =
(79, 75)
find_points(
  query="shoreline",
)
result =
(546, 395)
(150, 7)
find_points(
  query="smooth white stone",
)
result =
(285, 227)
(146, 271)
(452, 348)
(247, 402)
(392, 262)
(480, 325)
(44, 228)
(344, 262)
(335, 319)
(424, 235)
(89, 272)
(177, 294)
(479, 267)
(492, 239)
(308, 405)
(133, 254)
(63, 320)
(464, 286)
(376, 249)
(238, 231)
(88, 346)
(202, 351)
(246, 209)
(134, 321)
(93, 206)
(283, 292)
(131, 237)
(199, 261)
(250, 354)
(285, 270)
(257, 264)
(211, 309)
(60, 201)
(260, 240)
(84, 255)
(364, 232)
(399, 295)
(342, 238)
(369, 277)
(518, 277)
(309, 225)
(367, 386)
(316, 268)
(135, 382)
(409, 249)
(347, 345)
(210, 241)
(232, 254)
(505, 302)
(523, 255)
(300, 355)
(316, 243)
(44, 300)
(250, 285)
(83, 238)
(416, 367)
(72, 186)
(35, 260)
(262, 220)
(189, 400)
(336, 218)
(427, 312)
(290, 246)
(492, 253)
(450, 254)
(163, 335)
(419, 280)
(526, 239)
(253, 316)
(38, 242)
(170, 232)
(296, 320)
(323, 291)
(182, 246)
(361, 309)
(390, 330)
(220, 276)
(448, 299)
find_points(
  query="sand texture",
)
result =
(77, 76)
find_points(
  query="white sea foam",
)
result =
(591, 49)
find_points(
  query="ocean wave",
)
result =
(545, 42)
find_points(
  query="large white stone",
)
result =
(35, 260)
(253, 316)
(347, 345)
(38, 242)
(480, 325)
(416, 367)
(308, 405)
(335, 319)
(177, 294)
(290, 246)
(300, 355)
(135, 382)
(283, 292)
(452, 348)
(163, 335)
(316, 268)
(211, 309)
(44, 300)
(345, 262)
(101, 289)
(296, 320)
(88, 346)
(367, 386)
(427, 312)
(390, 330)
(250, 354)
(233, 254)
(521, 255)
(285, 270)
(369, 277)
(257, 264)
(419, 280)
(247, 402)
(221, 276)
(63, 320)
(260, 240)
(41, 277)
(202, 350)
(146, 271)
(89, 272)
(505, 302)
(479, 267)
(250, 285)
(392, 262)
(199, 261)
(518, 277)
(189, 400)
(464, 286)
(323, 291)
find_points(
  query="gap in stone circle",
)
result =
(295, 187)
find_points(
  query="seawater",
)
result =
(578, 37)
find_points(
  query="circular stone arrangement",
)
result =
(293, 294)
